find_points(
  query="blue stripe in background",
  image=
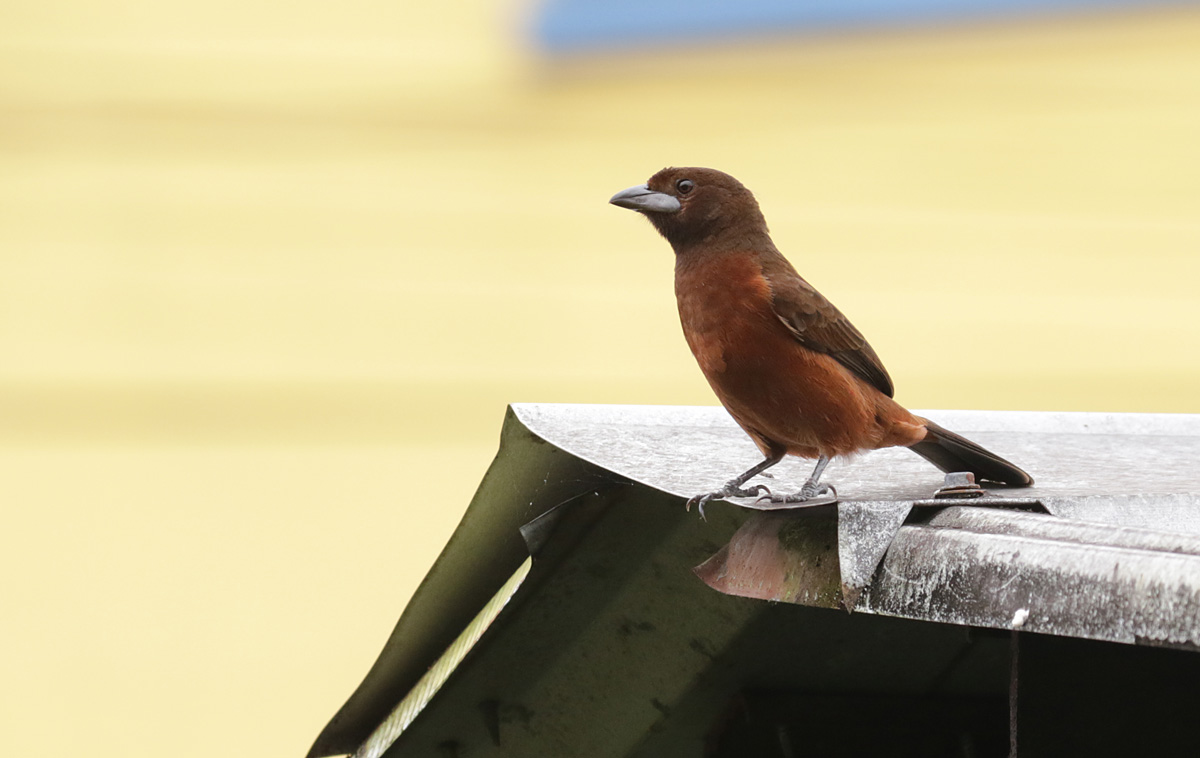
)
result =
(568, 26)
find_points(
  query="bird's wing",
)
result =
(820, 326)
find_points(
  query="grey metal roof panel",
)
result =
(578, 476)
(1038, 573)
(981, 567)
(1099, 465)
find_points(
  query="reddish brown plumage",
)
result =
(787, 365)
(786, 396)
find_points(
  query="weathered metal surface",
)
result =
(528, 478)
(975, 567)
(386, 734)
(824, 558)
(1039, 573)
(595, 493)
(1081, 461)
(865, 530)
(775, 556)
(1168, 512)
(1116, 469)
(607, 633)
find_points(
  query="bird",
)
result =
(788, 366)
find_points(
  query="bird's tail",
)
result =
(952, 452)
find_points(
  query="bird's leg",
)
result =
(811, 488)
(733, 488)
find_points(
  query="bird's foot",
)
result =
(731, 489)
(810, 491)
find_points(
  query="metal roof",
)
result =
(608, 645)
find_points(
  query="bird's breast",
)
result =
(786, 396)
(722, 302)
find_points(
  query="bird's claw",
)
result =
(805, 494)
(811, 489)
(758, 490)
(699, 501)
(729, 490)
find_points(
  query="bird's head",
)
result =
(690, 206)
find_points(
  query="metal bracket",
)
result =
(959, 485)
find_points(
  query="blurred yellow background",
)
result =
(271, 273)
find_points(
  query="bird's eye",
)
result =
(684, 186)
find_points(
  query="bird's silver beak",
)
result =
(642, 198)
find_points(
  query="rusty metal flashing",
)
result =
(594, 494)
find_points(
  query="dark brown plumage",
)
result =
(785, 362)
